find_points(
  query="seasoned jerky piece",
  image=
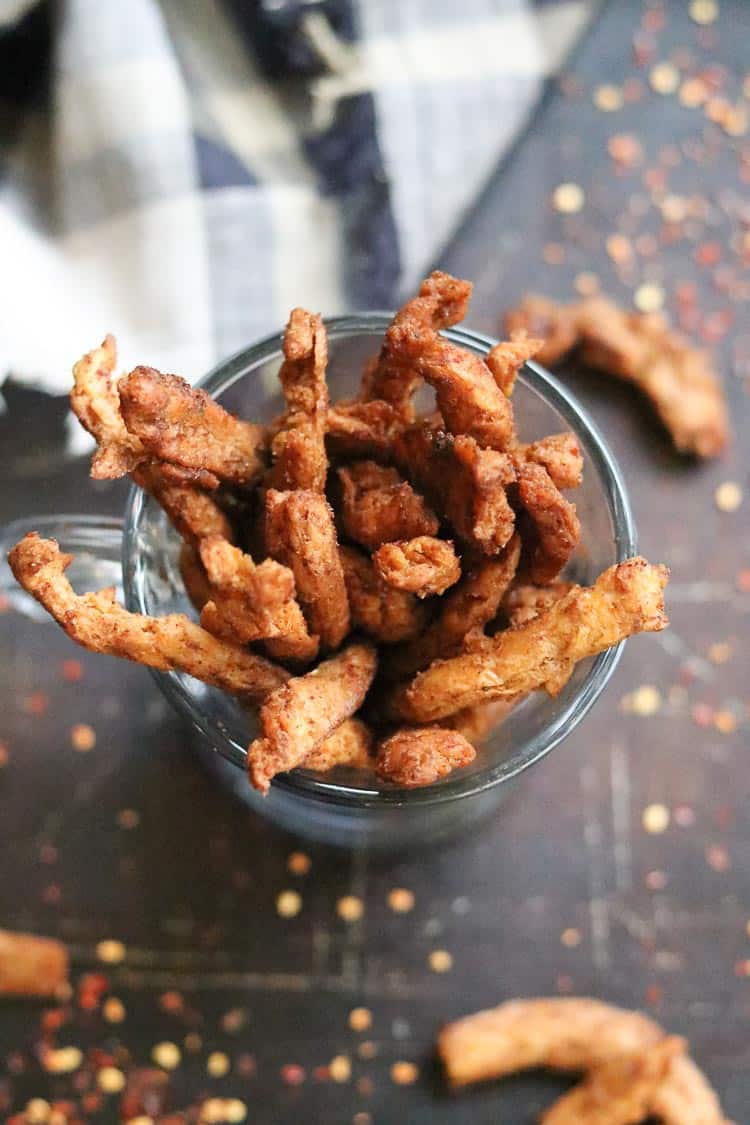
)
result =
(559, 454)
(470, 606)
(379, 506)
(421, 566)
(506, 359)
(442, 301)
(300, 533)
(389, 616)
(467, 395)
(96, 404)
(555, 324)
(197, 586)
(362, 429)
(619, 1091)
(31, 965)
(178, 423)
(298, 447)
(171, 643)
(252, 602)
(193, 513)
(349, 745)
(563, 1033)
(467, 484)
(626, 599)
(684, 1097)
(678, 378)
(417, 756)
(526, 602)
(301, 714)
(477, 723)
(555, 527)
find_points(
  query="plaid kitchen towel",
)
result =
(183, 172)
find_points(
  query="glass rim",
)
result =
(454, 787)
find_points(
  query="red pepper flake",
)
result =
(703, 714)
(654, 995)
(4, 603)
(72, 670)
(553, 254)
(245, 1065)
(742, 969)
(4, 754)
(716, 326)
(91, 988)
(172, 1002)
(717, 858)
(686, 293)
(36, 703)
(708, 253)
(292, 1074)
(51, 895)
(625, 149)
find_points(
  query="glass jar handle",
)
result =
(95, 542)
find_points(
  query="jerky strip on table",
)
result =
(471, 605)
(506, 359)
(253, 602)
(171, 643)
(626, 599)
(562, 1033)
(379, 506)
(192, 512)
(31, 965)
(554, 526)
(362, 429)
(467, 484)
(388, 616)
(297, 717)
(298, 447)
(349, 745)
(182, 425)
(559, 454)
(620, 1091)
(554, 324)
(467, 395)
(441, 302)
(417, 756)
(423, 566)
(96, 403)
(300, 533)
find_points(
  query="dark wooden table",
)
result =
(571, 889)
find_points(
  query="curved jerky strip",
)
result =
(192, 512)
(471, 605)
(171, 643)
(678, 379)
(252, 602)
(620, 1091)
(559, 454)
(297, 717)
(379, 506)
(442, 301)
(684, 1097)
(554, 526)
(506, 359)
(467, 394)
(389, 616)
(96, 403)
(562, 1033)
(417, 756)
(362, 429)
(626, 599)
(423, 566)
(465, 483)
(300, 533)
(349, 745)
(298, 447)
(182, 425)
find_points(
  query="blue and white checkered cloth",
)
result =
(183, 172)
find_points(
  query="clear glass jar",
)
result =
(346, 807)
